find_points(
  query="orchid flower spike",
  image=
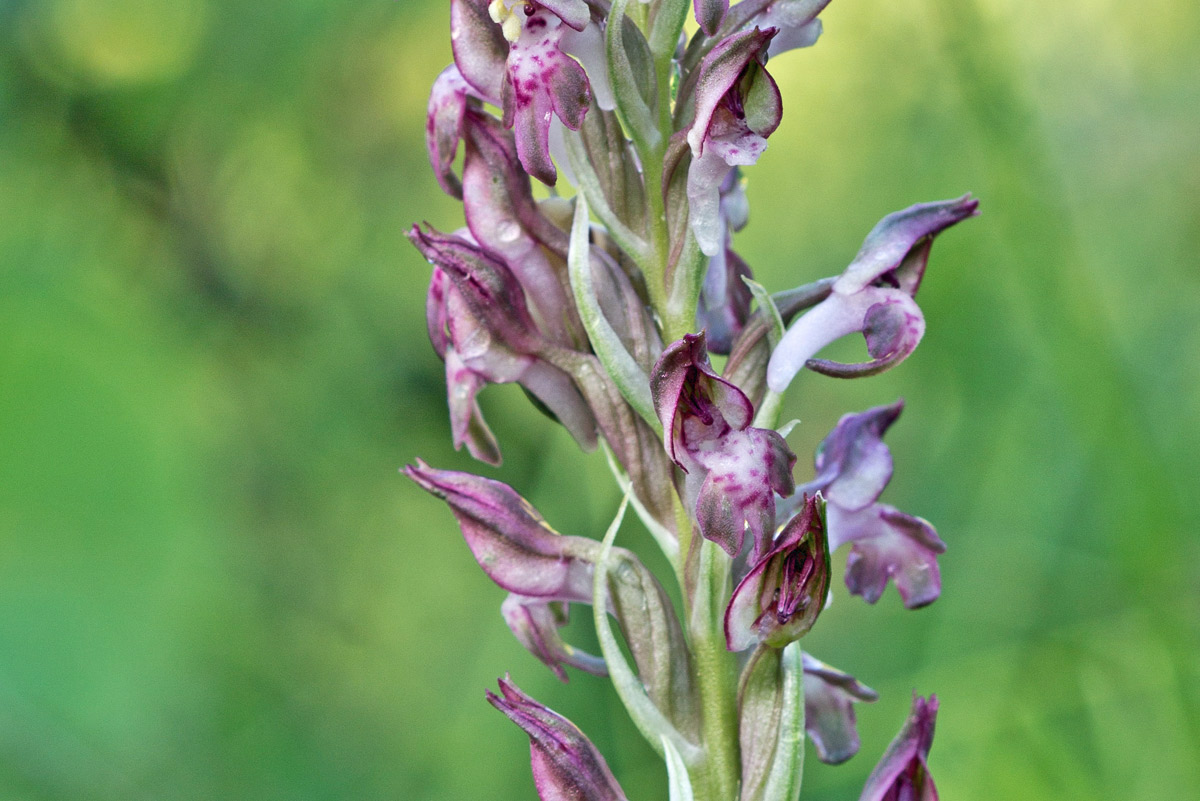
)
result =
(903, 772)
(874, 295)
(565, 763)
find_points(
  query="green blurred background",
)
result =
(213, 581)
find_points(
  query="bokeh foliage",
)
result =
(214, 583)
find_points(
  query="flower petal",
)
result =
(893, 328)
(829, 698)
(479, 47)
(720, 71)
(467, 426)
(513, 544)
(535, 624)
(539, 80)
(902, 772)
(566, 766)
(444, 126)
(889, 544)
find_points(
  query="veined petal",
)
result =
(829, 698)
(903, 772)
(535, 624)
(485, 283)
(889, 544)
(566, 766)
(513, 544)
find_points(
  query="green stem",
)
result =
(715, 678)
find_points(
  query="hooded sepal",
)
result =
(779, 599)
(903, 772)
(873, 296)
(829, 698)
(566, 765)
(732, 468)
(487, 285)
(535, 624)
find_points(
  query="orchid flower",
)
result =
(480, 325)
(829, 698)
(874, 295)
(853, 467)
(903, 771)
(565, 763)
(738, 106)
(517, 54)
(732, 468)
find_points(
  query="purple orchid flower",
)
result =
(779, 599)
(535, 624)
(732, 468)
(738, 106)
(480, 325)
(853, 467)
(874, 295)
(566, 765)
(903, 772)
(517, 55)
(829, 698)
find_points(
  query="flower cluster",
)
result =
(606, 303)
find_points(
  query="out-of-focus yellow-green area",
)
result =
(214, 584)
